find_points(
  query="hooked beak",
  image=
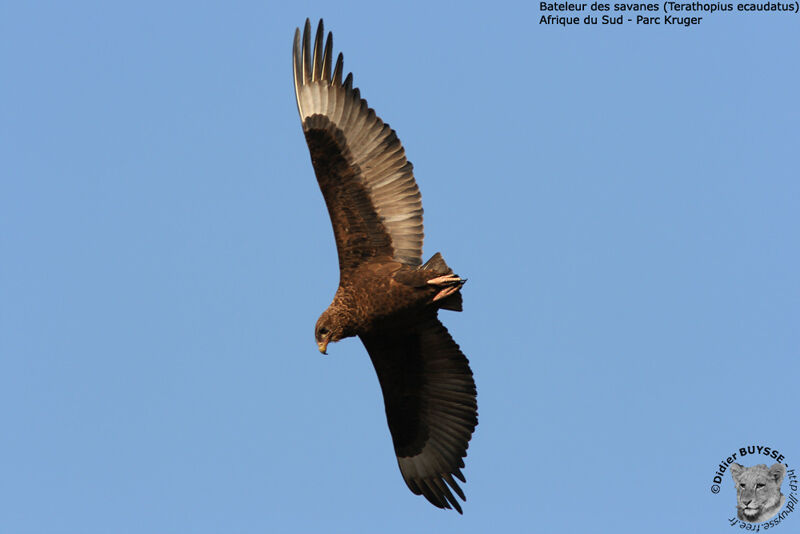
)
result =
(323, 347)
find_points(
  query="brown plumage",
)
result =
(386, 296)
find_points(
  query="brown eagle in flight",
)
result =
(386, 295)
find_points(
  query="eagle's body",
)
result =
(386, 296)
(381, 289)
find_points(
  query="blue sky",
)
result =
(623, 200)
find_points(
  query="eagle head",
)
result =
(327, 330)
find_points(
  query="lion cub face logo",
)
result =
(758, 491)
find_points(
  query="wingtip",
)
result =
(313, 60)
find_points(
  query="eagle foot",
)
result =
(447, 280)
(446, 292)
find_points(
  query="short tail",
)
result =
(449, 298)
(453, 302)
(437, 265)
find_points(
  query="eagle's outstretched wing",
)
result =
(368, 185)
(430, 400)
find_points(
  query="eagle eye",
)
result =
(323, 331)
